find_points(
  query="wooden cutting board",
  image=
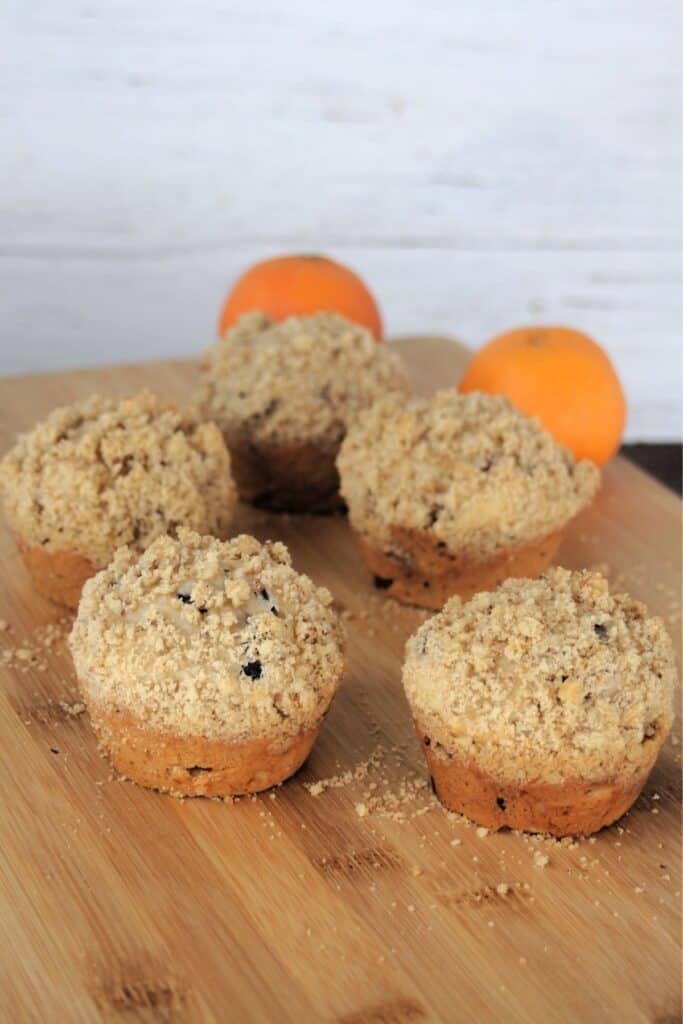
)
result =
(123, 904)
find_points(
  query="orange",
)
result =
(299, 285)
(563, 377)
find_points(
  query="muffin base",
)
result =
(57, 575)
(429, 576)
(287, 478)
(575, 807)
(193, 766)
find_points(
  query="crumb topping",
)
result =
(550, 679)
(202, 638)
(100, 474)
(471, 470)
(303, 379)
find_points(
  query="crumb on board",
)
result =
(348, 777)
(371, 608)
(383, 795)
(30, 653)
(73, 709)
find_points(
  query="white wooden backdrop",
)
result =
(482, 164)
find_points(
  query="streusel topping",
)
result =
(100, 474)
(208, 639)
(303, 379)
(549, 679)
(472, 470)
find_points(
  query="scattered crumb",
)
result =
(351, 775)
(383, 795)
(502, 889)
(74, 709)
(456, 842)
(540, 859)
(482, 832)
(30, 653)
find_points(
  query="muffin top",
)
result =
(99, 474)
(208, 639)
(549, 679)
(475, 473)
(300, 380)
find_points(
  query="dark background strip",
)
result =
(663, 461)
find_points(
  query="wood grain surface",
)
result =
(482, 165)
(365, 904)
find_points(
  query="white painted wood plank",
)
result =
(482, 164)
(97, 311)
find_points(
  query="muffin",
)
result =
(543, 705)
(452, 494)
(284, 395)
(207, 667)
(101, 474)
